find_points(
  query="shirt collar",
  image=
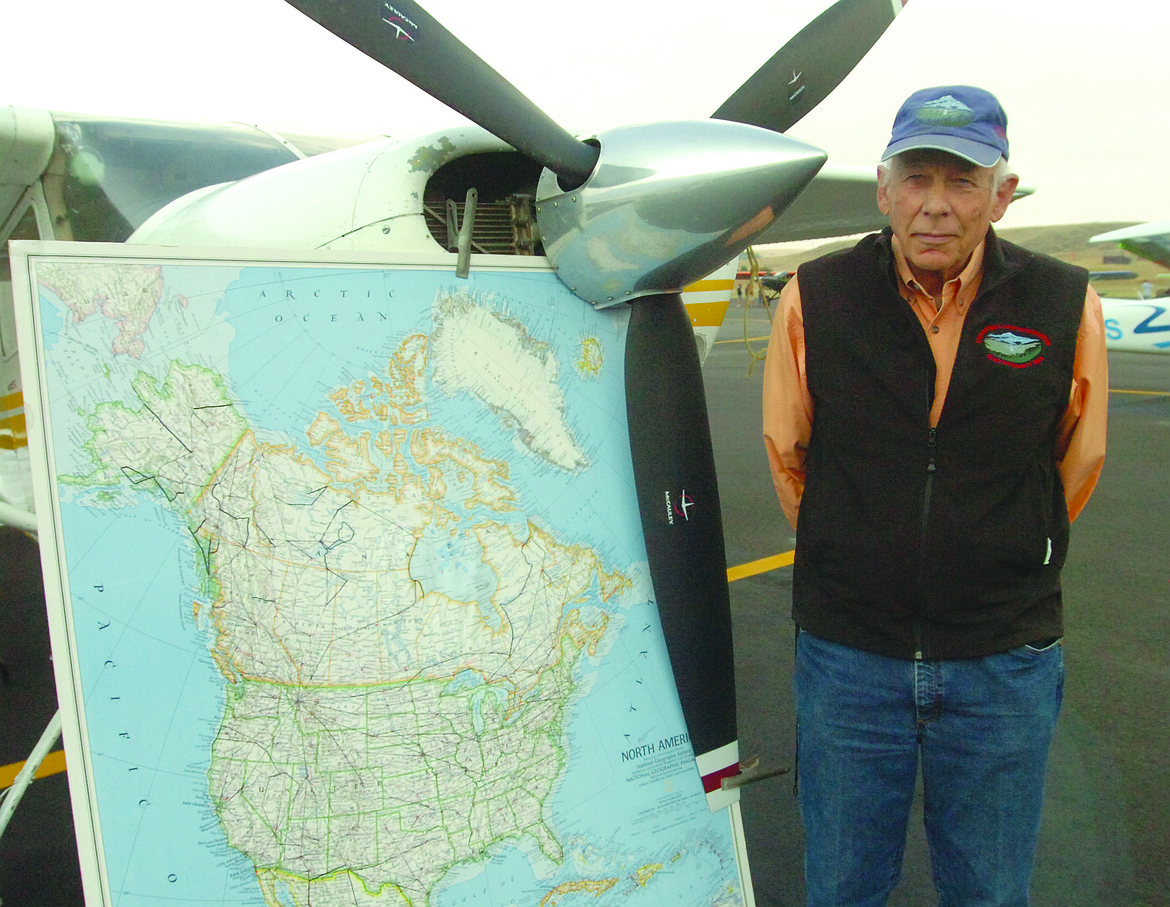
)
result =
(961, 289)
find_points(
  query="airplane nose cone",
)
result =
(667, 204)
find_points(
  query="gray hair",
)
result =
(1001, 170)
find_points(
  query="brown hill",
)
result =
(1068, 242)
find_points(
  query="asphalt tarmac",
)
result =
(1106, 837)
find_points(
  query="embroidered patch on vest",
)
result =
(1014, 346)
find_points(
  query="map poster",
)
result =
(347, 590)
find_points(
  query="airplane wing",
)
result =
(1149, 240)
(841, 200)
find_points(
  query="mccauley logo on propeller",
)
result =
(1013, 346)
(682, 508)
(399, 23)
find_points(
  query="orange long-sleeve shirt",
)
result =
(788, 405)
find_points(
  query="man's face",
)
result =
(940, 207)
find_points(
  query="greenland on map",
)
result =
(347, 588)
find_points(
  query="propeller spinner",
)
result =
(667, 204)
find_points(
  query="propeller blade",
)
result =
(406, 39)
(802, 73)
(678, 499)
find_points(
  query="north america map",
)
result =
(353, 596)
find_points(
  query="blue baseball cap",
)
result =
(959, 119)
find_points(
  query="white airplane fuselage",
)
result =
(1137, 325)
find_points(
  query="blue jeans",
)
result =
(981, 728)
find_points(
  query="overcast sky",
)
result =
(1083, 84)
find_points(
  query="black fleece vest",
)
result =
(945, 542)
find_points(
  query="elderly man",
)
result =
(934, 418)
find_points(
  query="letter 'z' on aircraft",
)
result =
(1139, 325)
(651, 216)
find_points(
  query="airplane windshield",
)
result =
(108, 176)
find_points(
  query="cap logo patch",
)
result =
(1013, 346)
(946, 111)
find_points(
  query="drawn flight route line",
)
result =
(146, 406)
(137, 478)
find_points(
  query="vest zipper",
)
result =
(931, 468)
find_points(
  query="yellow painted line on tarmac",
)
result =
(763, 565)
(741, 340)
(1117, 390)
(53, 764)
